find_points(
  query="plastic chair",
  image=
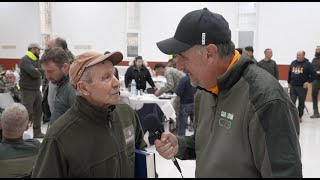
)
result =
(5, 100)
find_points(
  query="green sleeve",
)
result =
(51, 162)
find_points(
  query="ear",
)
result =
(65, 68)
(83, 87)
(212, 50)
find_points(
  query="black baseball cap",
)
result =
(197, 27)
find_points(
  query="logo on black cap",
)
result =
(201, 27)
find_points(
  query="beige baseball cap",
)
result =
(88, 59)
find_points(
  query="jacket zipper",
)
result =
(214, 116)
(115, 141)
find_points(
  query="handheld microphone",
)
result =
(153, 125)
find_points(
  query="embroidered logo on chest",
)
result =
(226, 119)
(129, 134)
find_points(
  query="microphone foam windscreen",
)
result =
(151, 123)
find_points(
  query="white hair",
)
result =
(14, 119)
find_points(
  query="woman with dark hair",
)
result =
(139, 72)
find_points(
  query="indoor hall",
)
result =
(259, 30)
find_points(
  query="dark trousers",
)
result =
(301, 93)
(32, 101)
(186, 110)
(315, 91)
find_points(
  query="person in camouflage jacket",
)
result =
(8, 84)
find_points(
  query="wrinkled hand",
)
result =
(157, 93)
(168, 146)
(305, 85)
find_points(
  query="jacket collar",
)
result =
(92, 113)
(15, 141)
(31, 56)
(63, 80)
(135, 68)
(233, 75)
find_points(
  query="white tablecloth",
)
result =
(136, 102)
(159, 81)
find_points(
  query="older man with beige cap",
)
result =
(97, 136)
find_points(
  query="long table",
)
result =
(136, 102)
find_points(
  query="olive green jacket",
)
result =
(88, 141)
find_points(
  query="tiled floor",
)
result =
(309, 142)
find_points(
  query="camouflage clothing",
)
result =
(8, 84)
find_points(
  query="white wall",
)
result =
(284, 27)
(159, 21)
(287, 28)
(19, 26)
(102, 25)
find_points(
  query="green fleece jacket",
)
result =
(90, 142)
(250, 129)
(30, 73)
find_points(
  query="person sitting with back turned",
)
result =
(97, 136)
(245, 123)
(17, 156)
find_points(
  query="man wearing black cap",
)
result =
(245, 123)
(30, 81)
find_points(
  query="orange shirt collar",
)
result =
(236, 57)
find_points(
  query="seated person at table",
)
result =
(173, 77)
(139, 72)
(8, 83)
(17, 156)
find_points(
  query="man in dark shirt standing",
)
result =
(186, 93)
(301, 73)
(316, 83)
(268, 64)
(30, 81)
(249, 52)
